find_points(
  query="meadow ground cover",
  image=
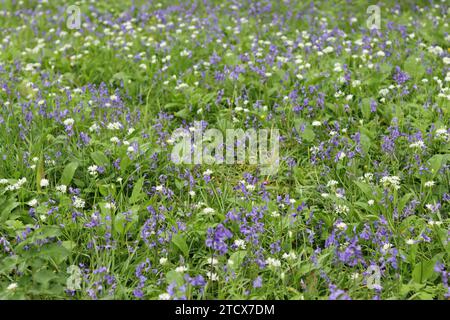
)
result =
(92, 205)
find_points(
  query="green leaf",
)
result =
(179, 241)
(365, 142)
(54, 251)
(179, 184)
(183, 113)
(365, 108)
(124, 162)
(40, 174)
(305, 269)
(424, 270)
(79, 183)
(46, 232)
(119, 76)
(305, 130)
(385, 69)
(404, 200)
(69, 245)
(121, 225)
(8, 264)
(137, 191)
(7, 208)
(68, 173)
(405, 289)
(107, 189)
(425, 295)
(172, 105)
(44, 277)
(99, 158)
(367, 189)
(237, 259)
(308, 134)
(413, 67)
(436, 162)
(14, 224)
(173, 276)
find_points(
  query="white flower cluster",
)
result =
(367, 177)
(32, 203)
(61, 188)
(181, 269)
(272, 262)
(110, 205)
(391, 181)
(93, 170)
(94, 127)
(332, 183)
(341, 209)
(69, 122)
(212, 276)
(16, 185)
(208, 210)
(442, 134)
(240, 244)
(417, 145)
(114, 126)
(290, 256)
(429, 184)
(164, 296)
(78, 202)
(44, 183)
(436, 50)
(341, 226)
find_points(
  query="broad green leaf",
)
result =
(385, 69)
(69, 245)
(44, 276)
(424, 270)
(183, 113)
(121, 224)
(305, 269)
(137, 191)
(172, 105)
(7, 208)
(179, 241)
(14, 224)
(7, 264)
(173, 276)
(365, 142)
(367, 189)
(125, 161)
(54, 251)
(107, 189)
(365, 108)
(237, 259)
(436, 162)
(99, 158)
(308, 134)
(68, 173)
(46, 232)
(413, 67)
(40, 174)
